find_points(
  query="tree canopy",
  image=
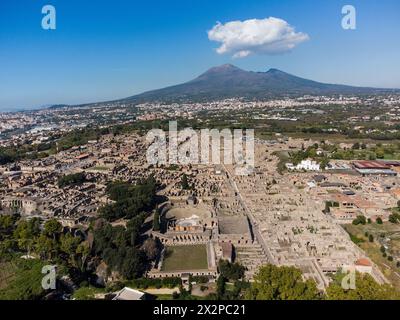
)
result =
(365, 289)
(130, 200)
(281, 283)
(72, 180)
(231, 271)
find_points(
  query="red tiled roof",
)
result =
(367, 164)
(363, 262)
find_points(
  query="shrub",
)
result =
(360, 220)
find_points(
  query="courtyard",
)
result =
(178, 258)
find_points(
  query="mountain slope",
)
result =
(228, 81)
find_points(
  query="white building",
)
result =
(307, 165)
(129, 294)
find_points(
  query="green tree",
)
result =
(46, 247)
(327, 207)
(356, 146)
(52, 228)
(360, 220)
(394, 218)
(221, 283)
(365, 289)
(231, 271)
(380, 153)
(185, 183)
(379, 221)
(130, 200)
(25, 284)
(281, 283)
(324, 163)
(156, 221)
(83, 252)
(72, 180)
(69, 245)
(26, 232)
(151, 248)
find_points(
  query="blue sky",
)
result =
(112, 49)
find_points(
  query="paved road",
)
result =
(253, 221)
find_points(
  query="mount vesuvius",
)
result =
(228, 81)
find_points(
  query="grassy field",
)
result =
(178, 258)
(21, 279)
(87, 293)
(8, 271)
(372, 249)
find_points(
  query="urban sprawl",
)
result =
(77, 192)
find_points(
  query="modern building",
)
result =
(307, 165)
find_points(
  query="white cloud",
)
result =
(262, 36)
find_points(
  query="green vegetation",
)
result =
(117, 246)
(87, 293)
(356, 239)
(24, 281)
(375, 250)
(360, 220)
(156, 221)
(329, 205)
(310, 152)
(27, 151)
(360, 151)
(57, 142)
(192, 257)
(231, 271)
(50, 244)
(286, 283)
(185, 183)
(80, 137)
(365, 289)
(7, 227)
(146, 283)
(394, 217)
(72, 180)
(281, 283)
(221, 284)
(45, 242)
(130, 200)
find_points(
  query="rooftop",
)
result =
(129, 294)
